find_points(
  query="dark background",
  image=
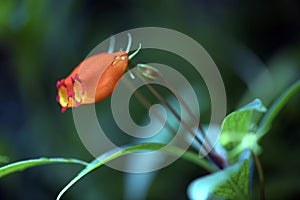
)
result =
(42, 41)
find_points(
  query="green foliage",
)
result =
(111, 155)
(22, 165)
(236, 130)
(231, 183)
(237, 136)
(237, 185)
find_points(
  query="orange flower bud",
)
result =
(93, 80)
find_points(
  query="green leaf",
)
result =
(239, 121)
(236, 127)
(232, 183)
(276, 107)
(238, 184)
(22, 165)
(113, 154)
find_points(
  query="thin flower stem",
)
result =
(147, 105)
(193, 117)
(260, 175)
(211, 154)
(185, 106)
(163, 100)
(173, 111)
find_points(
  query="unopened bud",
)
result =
(148, 71)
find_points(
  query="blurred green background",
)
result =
(255, 44)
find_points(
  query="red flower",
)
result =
(93, 80)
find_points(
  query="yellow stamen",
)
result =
(78, 91)
(63, 96)
(119, 58)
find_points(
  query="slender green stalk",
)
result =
(113, 154)
(276, 107)
(260, 176)
(25, 164)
